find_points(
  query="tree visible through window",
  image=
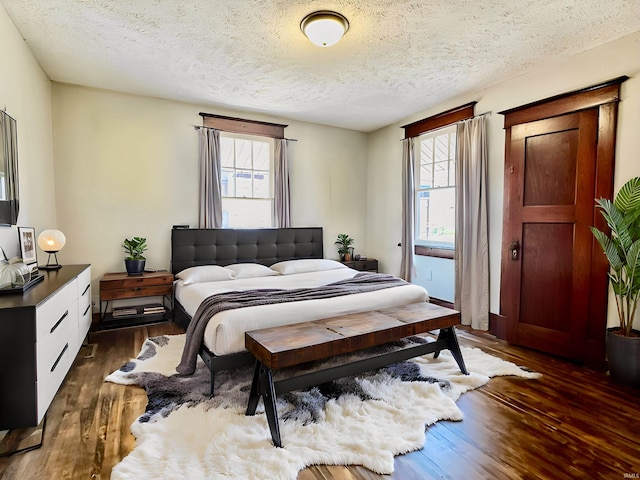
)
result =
(436, 188)
(246, 181)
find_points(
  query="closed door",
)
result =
(550, 183)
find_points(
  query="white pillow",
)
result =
(205, 273)
(250, 270)
(306, 265)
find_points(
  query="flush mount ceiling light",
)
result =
(324, 28)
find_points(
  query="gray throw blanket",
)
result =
(360, 283)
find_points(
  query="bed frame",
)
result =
(191, 247)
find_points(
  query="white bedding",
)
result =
(224, 333)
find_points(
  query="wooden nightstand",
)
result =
(120, 286)
(368, 265)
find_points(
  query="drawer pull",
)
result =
(85, 290)
(59, 321)
(86, 310)
(59, 357)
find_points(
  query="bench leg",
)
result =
(449, 336)
(254, 396)
(262, 386)
(269, 399)
(213, 378)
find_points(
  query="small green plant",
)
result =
(622, 249)
(345, 242)
(134, 248)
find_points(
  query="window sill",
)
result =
(434, 252)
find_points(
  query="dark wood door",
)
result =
(559, 157)
(547, 245)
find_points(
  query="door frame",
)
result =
(605, 97)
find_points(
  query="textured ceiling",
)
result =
(398, 57)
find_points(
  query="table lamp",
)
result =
(51, 241)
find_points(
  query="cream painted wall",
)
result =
(621, 57)
(128, 165)
(25, 94)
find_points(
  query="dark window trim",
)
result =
(425, 251)
(241, 125)
(457, 114)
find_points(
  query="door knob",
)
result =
(514, 248)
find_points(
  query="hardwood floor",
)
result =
(571, 423)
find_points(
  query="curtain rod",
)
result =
(198, 127)
(4, 110)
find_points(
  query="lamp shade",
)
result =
(324, 28)
(51, 240)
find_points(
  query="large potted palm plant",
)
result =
(622, 249)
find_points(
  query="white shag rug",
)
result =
(365, 420)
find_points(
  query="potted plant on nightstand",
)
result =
(134, 261)
(345, 242)
(622, 249)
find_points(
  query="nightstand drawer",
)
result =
(368, 265)
(115, 286)
(135, 292)
(122, 280)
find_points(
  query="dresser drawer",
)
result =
(49, 346)
(84, 290)
(55, 309)
(50, 377)
(84, 322)
(54, 355)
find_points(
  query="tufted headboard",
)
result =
(192, 247)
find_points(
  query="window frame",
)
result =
(436, 122)
(271, 147)
(427, 248)
(250, 128)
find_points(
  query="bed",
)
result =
(230, 261)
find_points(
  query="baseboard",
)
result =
(498, 325)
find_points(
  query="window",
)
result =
(246, 181)
(435, 145)
(436, 188)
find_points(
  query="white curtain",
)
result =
(282, 193)
(407, 268)
(210, 195)
(472, 252)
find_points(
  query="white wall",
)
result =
(25, 94)
(621, 57)
(437, 275)
(127, 165)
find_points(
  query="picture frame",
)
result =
(28, 251)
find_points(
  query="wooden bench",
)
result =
(296, 344)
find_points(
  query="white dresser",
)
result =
(41, 332)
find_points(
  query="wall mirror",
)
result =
(9, 204)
